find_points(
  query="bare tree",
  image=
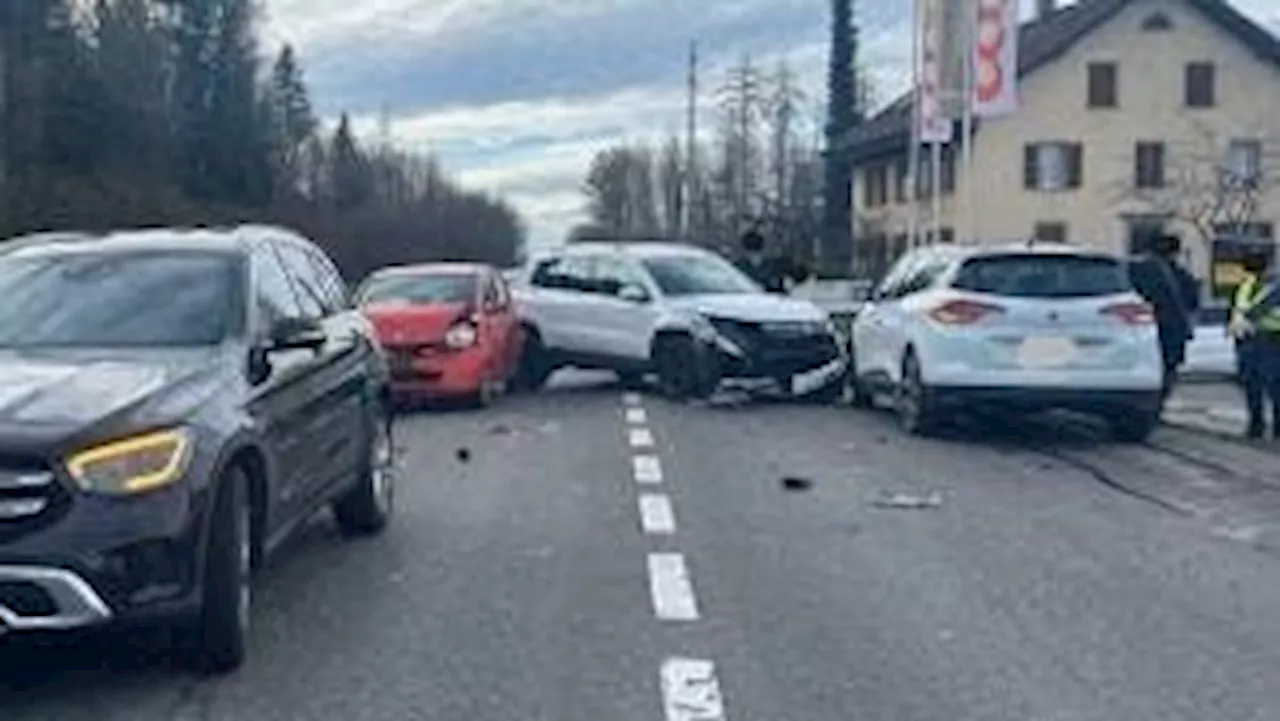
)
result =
(1212, 184)
(742, 98)
(671, 187)
(620, 192)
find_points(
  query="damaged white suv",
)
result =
(680, 312)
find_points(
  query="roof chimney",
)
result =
(1045, 8)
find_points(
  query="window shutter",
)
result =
(1157, 165)
(1075, 165)
(1199, 85)
(1031, 167)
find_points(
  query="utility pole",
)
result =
(691, 148)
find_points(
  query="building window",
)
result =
(901, 171)
(1200, 83)
(1260, 230)
(1244, 160)
(924, 185)
(1148, 165)
(1103, 90)
(1050, 232)
(948, 170)
(875, 189)
(1054, 166)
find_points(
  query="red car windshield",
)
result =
(427, 289)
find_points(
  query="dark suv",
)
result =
(172, 404)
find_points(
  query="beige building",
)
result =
(1137, 117)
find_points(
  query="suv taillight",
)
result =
(963, 312)
(1131, 313)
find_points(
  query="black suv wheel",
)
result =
(366, 509)
(223, 626)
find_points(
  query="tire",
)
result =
(222, 628)
(630, 380)
(683, 373)
(535, 364)
(367, 508)
(915, 402)
(859, 395)
(487, 395)
(1134, 425)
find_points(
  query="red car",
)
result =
(450, 330)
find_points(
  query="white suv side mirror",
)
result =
(633, 293)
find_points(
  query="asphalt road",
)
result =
(744, 568)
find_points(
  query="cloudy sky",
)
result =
(514, 96)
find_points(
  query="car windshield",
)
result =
(1043, 276)
(90, 299)
(426, 289)
(678, 275)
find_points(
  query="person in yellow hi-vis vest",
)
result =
(1255, 325)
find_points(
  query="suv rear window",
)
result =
(1043, 276)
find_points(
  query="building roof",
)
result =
(1040, 42)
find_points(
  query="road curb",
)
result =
(1222, 434)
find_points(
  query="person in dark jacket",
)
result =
(771, 272)
(1174, 294)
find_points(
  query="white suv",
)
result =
(1026, 328)
(686, 314)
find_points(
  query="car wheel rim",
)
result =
(244, 562)
(380, 464)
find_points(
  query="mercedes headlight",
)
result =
(132, 465)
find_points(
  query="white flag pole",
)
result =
(935, 167)
(913, 150)
(966, 120)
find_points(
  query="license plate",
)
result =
(810, 381)
(1047, 352)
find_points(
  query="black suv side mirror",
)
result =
(285, 334)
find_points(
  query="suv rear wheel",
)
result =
(366, 509)
(915, 403)
(535, 364)
(1134, 425)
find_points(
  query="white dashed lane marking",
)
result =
(673, 598)
(646, 469)
(690, 690)
(656, 515)
(640, 438)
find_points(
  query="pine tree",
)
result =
(292, 120)
(133, 69)
(349, 170)
(844, 114)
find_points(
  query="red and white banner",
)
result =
(936, 85)
(995, 58)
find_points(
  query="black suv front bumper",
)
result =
(776, 351)
(85, 560)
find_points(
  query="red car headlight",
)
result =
(461, 336)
